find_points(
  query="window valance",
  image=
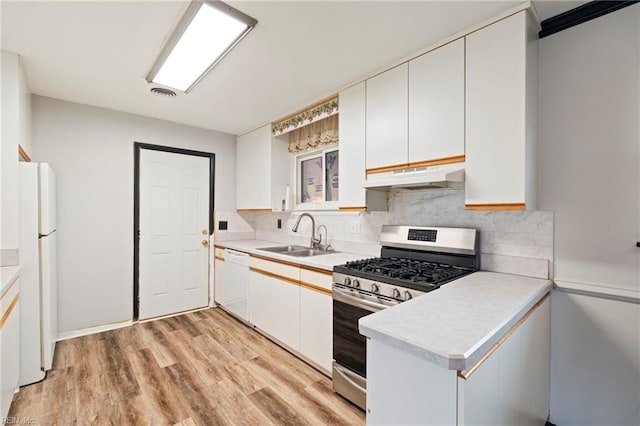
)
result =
(316, 113)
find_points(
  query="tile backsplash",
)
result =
(517, 242)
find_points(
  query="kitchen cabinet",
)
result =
(293, 305)
(260, 295)
(9, 346)
(274, 298)
(352, 165)
(508, 385)
(285, 306)
(501, 120)
(316, 317)
(512, 385)
(386, 120)
(436, 106)
(262, 171)
(415, 113)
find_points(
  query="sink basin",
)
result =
(284, 249)
(297, 251)
(310, 252)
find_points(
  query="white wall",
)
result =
(589, 162)
(91, 150)
(16, 117)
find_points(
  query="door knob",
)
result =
(205, 231)
(205, 243)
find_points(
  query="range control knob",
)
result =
(347, 281)
(375, 288)
(356, 283)
(407, 295)
(395, 293)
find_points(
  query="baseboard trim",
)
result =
(93, 330)
(116, 325)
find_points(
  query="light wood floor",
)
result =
(202, 368)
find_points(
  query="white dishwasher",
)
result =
(235, 286)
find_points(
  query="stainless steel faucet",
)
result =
(314, 241)
(326, 245)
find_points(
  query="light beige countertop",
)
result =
(458, 323)
(8, 275)
(323, 261)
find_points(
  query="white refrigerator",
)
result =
(38, 273)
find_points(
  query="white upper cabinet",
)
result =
(436, 105)
(352, 124)
(387, 117)
(501, 120)
(262, 171)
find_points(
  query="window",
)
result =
(318, 179)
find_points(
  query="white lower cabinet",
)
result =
(260, 295)
(275, 300)
(512, 386)
(9, 347)
(508, 386)
(293, 305)
(285, 306)
(316, 327)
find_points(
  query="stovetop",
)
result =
(413, 260)
(418, 274)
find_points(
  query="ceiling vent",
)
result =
(163, 92)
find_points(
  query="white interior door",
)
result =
(174, 234)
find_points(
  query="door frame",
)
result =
(137, 146)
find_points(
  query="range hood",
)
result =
(440, 176)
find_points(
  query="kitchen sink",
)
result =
(284, 249)
(297, 251)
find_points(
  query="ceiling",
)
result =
(98, 53)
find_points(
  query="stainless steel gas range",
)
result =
(414, 260)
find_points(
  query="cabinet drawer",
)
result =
(274, 267)
(316, 279)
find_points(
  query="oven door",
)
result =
(349, 346)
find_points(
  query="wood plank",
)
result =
(194, 396)
(276, 409)
(158, 391)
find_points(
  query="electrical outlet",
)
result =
(223, 225)
(279, 224)
(355, 227)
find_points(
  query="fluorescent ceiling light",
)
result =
(205, 34)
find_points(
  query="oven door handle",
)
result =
(343, 296)
(347, 375)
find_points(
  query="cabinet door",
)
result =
(352, 124)
(495, 113)
(511, 386)
(316, 327)
(253, 169)
(286, 312)
(260, 304)
(387, 115)
(436, 104)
